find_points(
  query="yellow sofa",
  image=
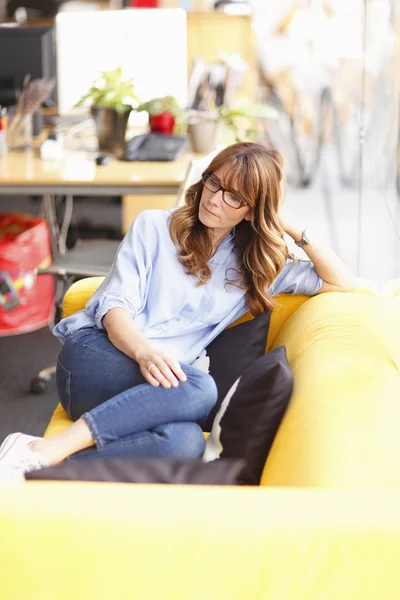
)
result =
(324, 524)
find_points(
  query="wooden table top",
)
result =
(26, 168)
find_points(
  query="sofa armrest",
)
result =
(342, 427)
(79, 293)
(391, 295)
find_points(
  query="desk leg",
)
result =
(48, 208)
(57, 236)
(63, 231)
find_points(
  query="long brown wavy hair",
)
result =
(256, 172)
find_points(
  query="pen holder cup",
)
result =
(19, 132)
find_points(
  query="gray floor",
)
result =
(364, 234)
(22, 356)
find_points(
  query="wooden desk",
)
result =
(142, 184)
(24, 172)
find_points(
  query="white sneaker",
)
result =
(16, 458)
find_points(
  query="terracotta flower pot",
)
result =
(163, 123)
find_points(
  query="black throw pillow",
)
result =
(251, 413)
(230, 354)
(144, 470)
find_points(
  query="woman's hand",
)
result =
(124, 335)
(159, 368)
(288, 225)
(335, 274)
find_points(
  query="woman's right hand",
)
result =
(159, 368)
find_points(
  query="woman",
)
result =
(178, 279)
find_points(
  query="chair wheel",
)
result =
(38, 385)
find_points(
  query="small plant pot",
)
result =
(203, 135)
(110, 129)
(163, 123)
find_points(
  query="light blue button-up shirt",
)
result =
(179, 316)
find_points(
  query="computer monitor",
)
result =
(24, 51)
(149, 44)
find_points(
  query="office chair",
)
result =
(92, 258)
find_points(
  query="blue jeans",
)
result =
(126, 415)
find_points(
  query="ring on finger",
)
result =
(149, 368)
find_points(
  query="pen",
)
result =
(3, 117)
(3, 128)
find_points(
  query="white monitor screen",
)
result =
(149, 44)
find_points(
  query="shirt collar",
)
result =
(224, 249)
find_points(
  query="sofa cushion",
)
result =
(250, 414)
(230, 354)
(142, 470)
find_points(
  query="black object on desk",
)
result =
(102, 159)
(155, 146)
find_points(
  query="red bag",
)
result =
(26, 299)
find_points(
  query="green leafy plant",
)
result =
(236, 124)
(111, 90)
(158, 106)
(241, 123)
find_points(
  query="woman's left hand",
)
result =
(289, 225)
(335, 274)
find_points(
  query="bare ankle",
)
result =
(57, 448)
(41, 446)
(36, 446)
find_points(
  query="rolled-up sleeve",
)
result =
(297, 277)
(126, 284)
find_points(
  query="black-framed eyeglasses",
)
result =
(214, 186)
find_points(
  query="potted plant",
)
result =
(111, 98)
(202, 127)
(230, 124)
(163, 113)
